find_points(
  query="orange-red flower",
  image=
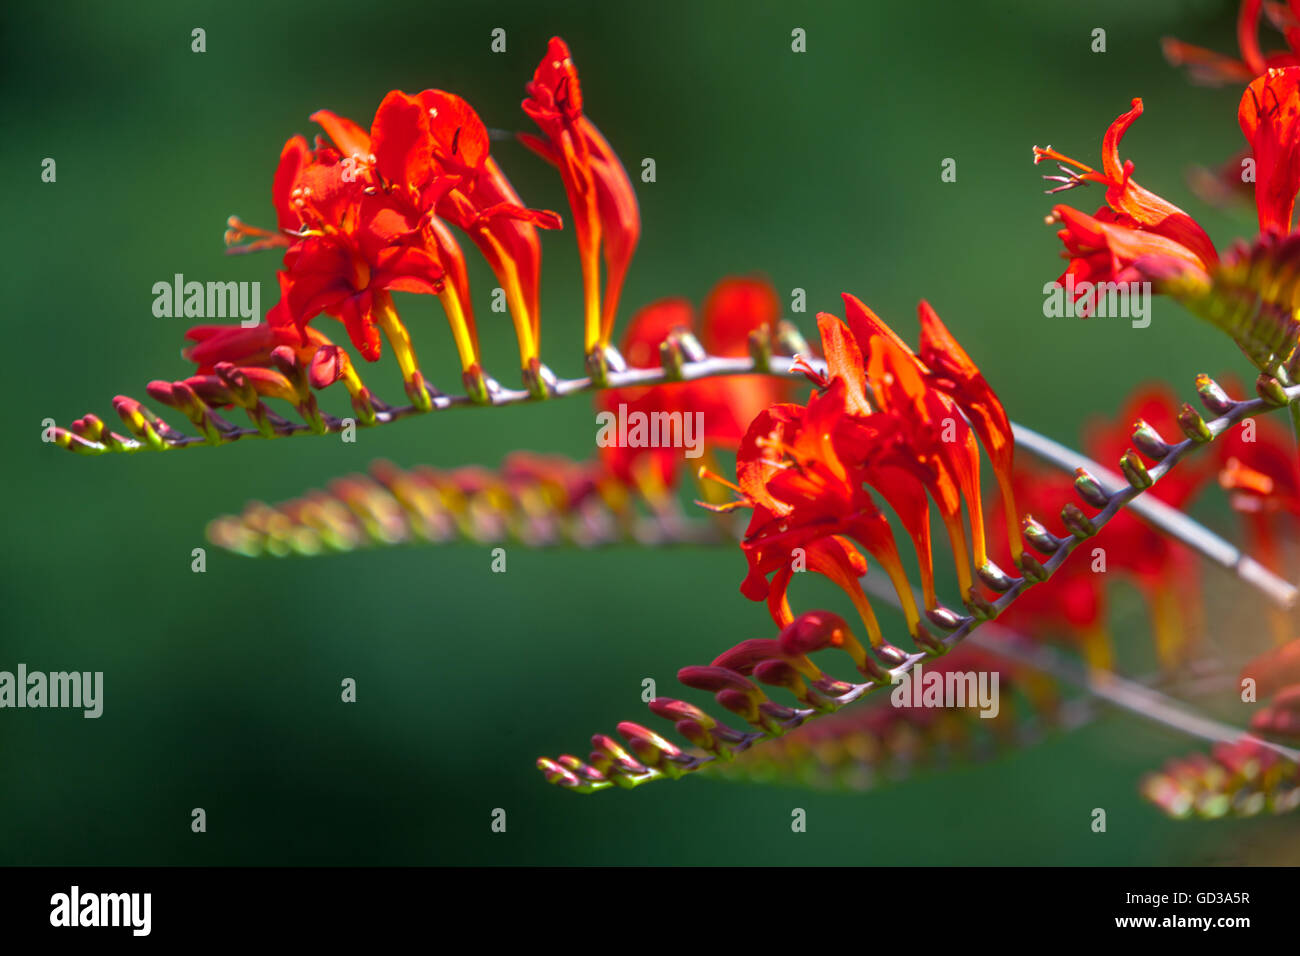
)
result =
(809, 503)
(605, 213)
(353, 244)
(433, 152)
(1258, 470)
(882, 422)
(425, 160)
(1137, 234)
(952, 371)
(1270, 119)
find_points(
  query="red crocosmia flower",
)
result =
(486, 207)
(605, 212)
(1137, 234)
(1270, 119)
(1258, 468)
(939, 437)
(358, 248)
(429, 154)
(951, 371)
(735, 308)
(1207, 66)
(881, 421)
(353, 244)
(803, 493)
(484, 203)
(1165, 570)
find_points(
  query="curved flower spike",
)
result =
(881, 743)
(1240, 779)
(605, 212)
(536, 500)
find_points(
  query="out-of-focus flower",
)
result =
(1211, 68)
(1258, 470)
(1276, 675)
(735, 308)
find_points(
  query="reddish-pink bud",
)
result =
(327, 366)
(813, 631)
(716, 679)
(744, 656)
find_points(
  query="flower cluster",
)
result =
(370, 212)
(883, 421)
(887, 435)
(364, 213)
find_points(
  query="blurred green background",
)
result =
(820, 170)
